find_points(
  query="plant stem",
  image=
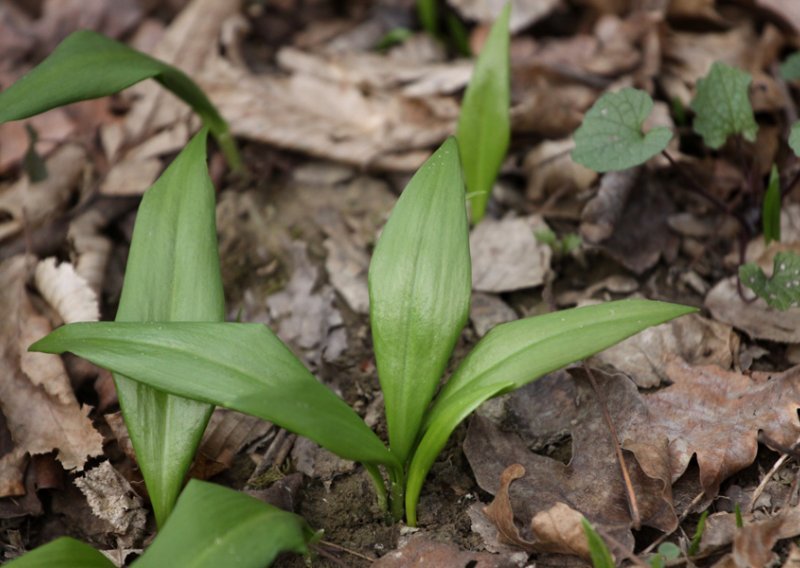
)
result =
(380, 486)
(227, 144)
(398, 486)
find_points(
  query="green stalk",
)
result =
(398, 486)
(380, 486)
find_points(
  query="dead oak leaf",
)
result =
(717, 414)
(591, 484)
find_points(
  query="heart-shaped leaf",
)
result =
(611, 136)
(782, 289)
(722, 106)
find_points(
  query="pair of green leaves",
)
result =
(212, 526)
(611, 138)
(88, 65)
(419, 288)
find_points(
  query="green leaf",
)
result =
(419, 289)
(172, 275)
(88, 65)
(694, 546)
(782, 290)
(790, 69)
(428, 13)
(239, 366)
(771, 208)
(601, 557)
(611, 138)
(722, 106)
(669, 550)
(215, 526)
(516, 353)
(484, 125)
(63, 552)
(794, 138)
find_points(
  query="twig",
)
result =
(682, 518)
(341, 548)
(631, 494)
(790, 452)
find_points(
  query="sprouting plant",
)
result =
(88, 65)
(611, 138)
(419, 283)
(598, 551)
(211, 526)
(484, 125)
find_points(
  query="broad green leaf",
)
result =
(790, 69)
(214, 526)
(601, 557)
(419, 289)
(484, 125)
(516, 353)
(782, 289)
(771, 208)
(722, 106)
(88, 65)
(63, 552)
(611, 138)
(794, 138)
(172, 275)
(239, 366)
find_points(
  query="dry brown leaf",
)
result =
(62, 17)
(787, 11)
(68, 293)
(695, 10)
(550, 170)
(113, 499)
(753, 543)
(31, 205)
(562, 526)
(602, 214)
(487, 311)
(506, 255)
(35, 394)
(693, 338)
(716, 415)
(90, 247)
(591, 483)
(53, 128)
(523, 12)
(420, 552)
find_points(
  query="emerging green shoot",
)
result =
(771, 208)
(212, 526)
(611, 138)
(782, 289)
(601, 556)
(484, 125)
(722, 106)
(88, 65)
(694, 546)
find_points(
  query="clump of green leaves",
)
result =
(782, 289)
(212, 526)
(88, 65)
(484, 125)
(611, 138)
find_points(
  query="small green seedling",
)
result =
(484, 125)
(212, 526)
(88, 65)
(598, 551)
(419, 282)
(694, 546)
(611, 138)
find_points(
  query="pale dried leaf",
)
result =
(90, 248)
(420, 552)
(523, 12)
(506, 255)
(487, 311)
(550, 169)
(68, 293)
(35, 394)
(788, 11)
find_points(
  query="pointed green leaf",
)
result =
(722, 106)
(601, 556)
(611, 138)
(790, 69)
(88, 65)
(794, 138)
(172, 275)
(63, 552)
(782, 289)
(516, 353)
(214, 526)
(771, 208)
(419, 288)
(239, 366)
(484, 125)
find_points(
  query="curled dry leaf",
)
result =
(35, 393)
(68, 293)
(506, 255)
(227, 433)
(591, 483)
(716, 415)
(113, 499)
(695, 339)
(753, 543)
(550, 169)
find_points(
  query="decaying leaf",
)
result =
(506, 255)
(420, 551)
(523, 13)
(753, 543)
(487, 311)
(35, 393)
(68, 293)
(693, 338)
(716, 415)
(551, 169)
(591, 483)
